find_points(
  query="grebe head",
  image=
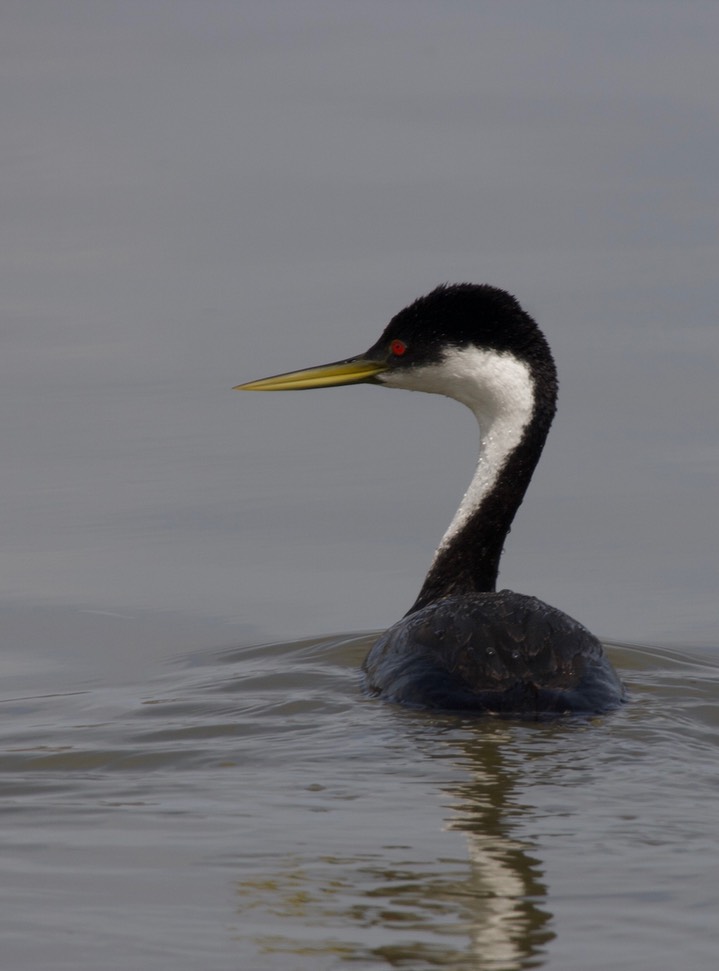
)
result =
(467, 341)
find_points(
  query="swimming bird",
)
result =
(463, 645)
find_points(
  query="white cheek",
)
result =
(490, 383)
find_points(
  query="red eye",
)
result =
(398, 348)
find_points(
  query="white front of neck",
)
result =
(499, 389)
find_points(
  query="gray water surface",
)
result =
(248, 807)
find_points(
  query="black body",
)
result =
(494, 653)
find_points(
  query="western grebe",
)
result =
(462, 645)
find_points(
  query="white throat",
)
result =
(499, 389)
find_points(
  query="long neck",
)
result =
(513, 429)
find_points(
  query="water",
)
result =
(248, 807)
(198, 194)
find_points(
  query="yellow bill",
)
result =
(353, 371)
